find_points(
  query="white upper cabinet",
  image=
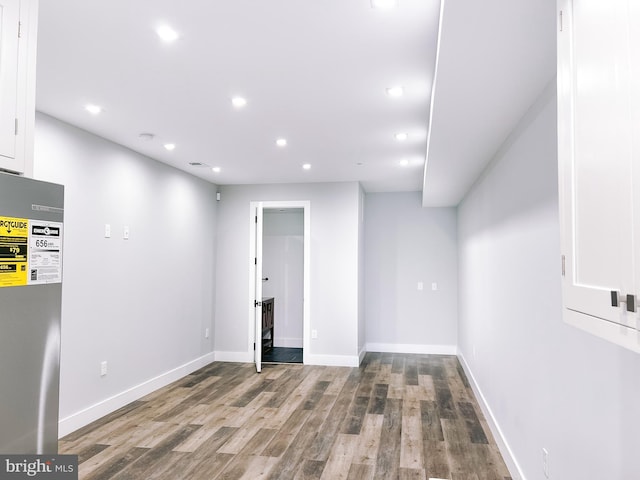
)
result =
(599, 166)
(18, 28)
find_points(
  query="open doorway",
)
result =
(283, 284)
(280, 251)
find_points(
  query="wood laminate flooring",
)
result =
(397, 416)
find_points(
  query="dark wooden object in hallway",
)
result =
(397, 416)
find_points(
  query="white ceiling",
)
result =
(495, 58)
(314, 72)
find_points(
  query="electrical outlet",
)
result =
(314, 333)
(103, 369)
(206, 333)
(545, 462)
(420, 286)
(434, 286)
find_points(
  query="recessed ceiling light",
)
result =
(401, 137)
(170, 146)
(306, 166)
(93, 109)
(404, 162)
(166, 33)
(384, 4)
(281, 142)
(395, 92)
(216, 169)
(239, 102)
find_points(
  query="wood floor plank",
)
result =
(396, 386)
(411, 455)
(163, 469)
(296, 389)
(352, 424)
(294, 455)
(337, 376)
(259, 468)
(287, 433)
(431, 426)
(444, 399)
(397, 416)
(200, 459)
(326, 436)
(369, 441)
(315, 395)
(388, 458)
(459, 454)
(474, 428)
(397, 365)
(411, 371)
(378, 399)
(436, 460)
(358, 471)
(90, 451)
(383, 374)
(411, 474)
(310, 470)
(109, 469)
(426, 381)
(153, 456)
(340, 457)
(252, 447)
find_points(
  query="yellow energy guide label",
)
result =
(30, 252)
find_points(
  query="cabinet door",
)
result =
(599, 159)
(9, 19)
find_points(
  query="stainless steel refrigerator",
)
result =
(31, 232)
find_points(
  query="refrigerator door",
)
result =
(30, 318)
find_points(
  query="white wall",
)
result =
(548, 385)
(334, 268)
(283, 265)
(406, 244)
(141, 304)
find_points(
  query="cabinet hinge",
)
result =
(563, 265)
(561, 26)
(19, 29)
(16, 126)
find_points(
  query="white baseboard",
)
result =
(332, 360)
(363, 352)
(236, 357)
(84, 417)
(411, 348)
(501, 441)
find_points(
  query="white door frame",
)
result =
(306, 309)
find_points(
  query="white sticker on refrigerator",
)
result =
(45, 252)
